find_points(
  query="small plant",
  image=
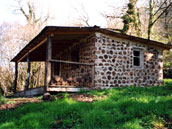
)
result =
(2, 99)
(66, 95)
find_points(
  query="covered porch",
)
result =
(69, 63)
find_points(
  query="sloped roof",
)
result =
(65, 36)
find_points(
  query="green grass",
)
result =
(126, 108)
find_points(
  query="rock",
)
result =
(46, 96)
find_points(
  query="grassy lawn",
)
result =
(121, 108)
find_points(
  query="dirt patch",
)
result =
(14, 103)
(85, 97)
(82, 97)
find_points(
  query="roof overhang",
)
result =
(66, 36)
(137, 39)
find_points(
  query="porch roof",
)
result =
(63, 37)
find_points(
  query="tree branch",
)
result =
(24, 13)
(160, 7)
(162, 13)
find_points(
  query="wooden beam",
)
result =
(47, 62)
(71, 62)
(39, 44)
(15, 77)
(30, 92)
(28, 72)
(57, 40)
(70, 33)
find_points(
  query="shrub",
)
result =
(167, 73)
(2, 99)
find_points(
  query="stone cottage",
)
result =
(93, 57)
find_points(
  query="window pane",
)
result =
(136, 53)
(136, 61)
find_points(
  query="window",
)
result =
(137, 57)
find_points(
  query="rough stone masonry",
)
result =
(86, 52)
(113, 59)
(114, 63)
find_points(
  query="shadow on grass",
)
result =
(130, 108)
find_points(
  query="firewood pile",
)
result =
(71, 81)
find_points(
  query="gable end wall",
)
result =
(114, 63)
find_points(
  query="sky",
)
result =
(64, 12)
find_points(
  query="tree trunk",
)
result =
(150, 25)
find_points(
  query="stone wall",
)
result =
(81, 73)
(114, 63)
(113, 59)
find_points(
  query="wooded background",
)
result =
(153, 20)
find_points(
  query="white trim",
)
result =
(138, 48)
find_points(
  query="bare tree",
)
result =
(155, 15)
(13, 37)
(129, 16)
(83, 17)
(165, 22)
(113, 18)
(29, 10)
(9, 45)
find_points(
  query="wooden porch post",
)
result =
(15, 77)
(28, 72)
(48, 63)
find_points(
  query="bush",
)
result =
(167, 73)
(2, 99)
